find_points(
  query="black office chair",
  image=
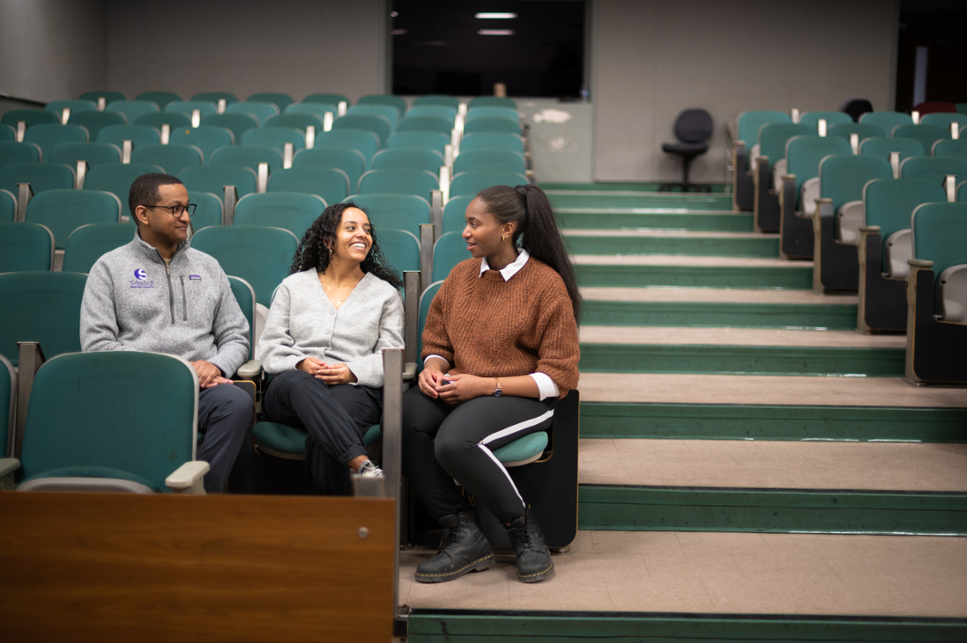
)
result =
(856, 107)
(692, 128)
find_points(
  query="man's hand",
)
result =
(331, 374)
(209, 375)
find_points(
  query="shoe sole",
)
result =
(478, 565)
(536, 576)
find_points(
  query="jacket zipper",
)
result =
(171, 294)
(184, 297)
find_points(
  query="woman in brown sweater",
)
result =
(500, 347)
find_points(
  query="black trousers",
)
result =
(335, 418)
(444, 442)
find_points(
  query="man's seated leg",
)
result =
(225, 412)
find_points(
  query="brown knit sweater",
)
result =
(489, 327)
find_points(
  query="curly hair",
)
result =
(314, 249)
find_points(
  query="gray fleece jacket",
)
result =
(133, 301)
(303, 323)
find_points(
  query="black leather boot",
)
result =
(533, 559)
(463, 549)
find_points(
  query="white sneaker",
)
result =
(370, 470)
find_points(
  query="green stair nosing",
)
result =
(747, 360)
(660, 221)
(512, 626)
(839, 511)
(744, 277)
(762, 247)
(719, 314)
(623, 420)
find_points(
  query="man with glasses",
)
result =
(158, 294)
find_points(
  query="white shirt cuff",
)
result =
(438, 357)
(545, 385)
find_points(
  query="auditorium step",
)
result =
(691, 272)
(638, 242)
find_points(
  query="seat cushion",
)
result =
(685, 149)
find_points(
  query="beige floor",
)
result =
(721, 572)
(765, 464)
(737, 337)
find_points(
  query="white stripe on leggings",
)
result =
(520, 426)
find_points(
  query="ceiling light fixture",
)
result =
(495, 32)
(493, 15)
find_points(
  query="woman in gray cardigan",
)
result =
(323, 340)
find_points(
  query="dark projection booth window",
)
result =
(463, 48)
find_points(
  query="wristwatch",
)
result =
(497, 391)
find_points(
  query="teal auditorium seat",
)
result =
(962, 191)
(297, 121)
(7, 132)
(208, 211)
(74, 105)
(41, 307)
(415, 182)
(262, 111)
(493, 112)
(401, 249)
(331, 184)
(803, 155)
(949, 148)
(434, 111)
(31, 117)
(388, 111)
(108, 96)
(470, 183)
(747, 133)
(384, 99)
(8, 397)
(770, 165)
(280, 100)
(214, 97)
(129, 442)
(884, 248)
(493, 101)
(454, 219)
(926, 134)
(159, 119)
(88, 243)
(449, 250)
(326, 99)
(117, 180)
(836, 233)
(245, 296)
(887, 120)
(425, 124)
(351, 162)
(408, 159)
(944, 119)
(160, 98)
(249, 156)
(489, 161)
(63, 211)
(426, 298)
(288, 210)
(40, 176)
(275, 137)
(832, 118)
(188, 107)
(395, 211)
(315, 109)
(491, 125)
(8, 206)
(95, 122)
(937, 316)
(237, 124)
(435, 141)
(172, 158)
(210, 178)
(261, 256)
(206, 138)
(50, 135)
(437, 99)
(378, 125)
(933, 168)
(25, 246)
(92, 153)
(14, 152)
(137, 134)
(364, 141)
(863, 130)
(132, 108)
(484, 141)
(882, 147)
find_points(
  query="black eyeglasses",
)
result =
(177, 210)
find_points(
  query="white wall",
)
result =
(654, 58)
(52, 49)
(245, 46)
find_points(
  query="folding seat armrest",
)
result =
(188, 478)
(869, 229)
(787, 196)
(8, 466)
(919, 264)
(250, 370)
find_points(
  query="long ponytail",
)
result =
(536, 230)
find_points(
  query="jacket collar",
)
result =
(151, 252)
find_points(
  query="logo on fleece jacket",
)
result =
(141, 280)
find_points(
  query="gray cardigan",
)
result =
(132, 301)
(303, 323)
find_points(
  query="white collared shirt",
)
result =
(545, 385)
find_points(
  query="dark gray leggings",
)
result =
(444, 442)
